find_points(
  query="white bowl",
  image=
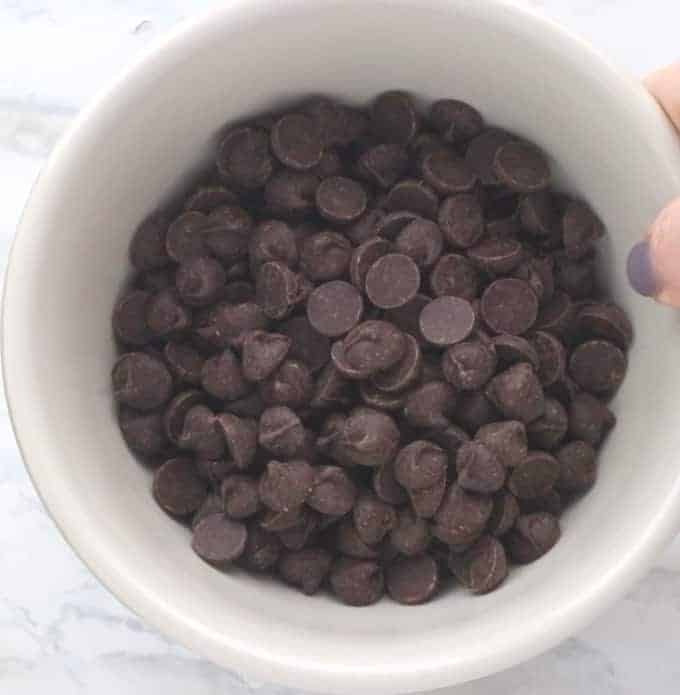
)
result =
(133, 147)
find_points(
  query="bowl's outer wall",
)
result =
(131, 150)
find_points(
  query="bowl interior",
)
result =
(139, 144)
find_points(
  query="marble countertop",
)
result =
(59, 628)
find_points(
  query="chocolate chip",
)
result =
(238, 292)
(451, 438)
(296, 141)
(483, 567)
(291, 194)
(552, 357)
(394, 118)
(447, 320)
(513, 348)
(331, 389)
(272, 240)
(291, 384)
(357, 582)
(392, 281)
(538, 213)
(510, 306)
(407, 317)
(373, 518)
(504, 515)
(207, 198)
(391, 225)
(240, 435)
(340, 200)
(481, 153)
(240, 496)
(547, 431)
(412, 580)
(281, 432)
(262, 354)
(366, 227)
(430, 405)
(498, 256)
(383, 165)
(306, 568)
(227, 233)
(598, 366)
(143, 432)
(469, 365)
(285, 486)
(576, 278)
(333, 493)
(461, 220)
(302, 534)
(474, 410)
(405, 373)
(222, 377)
(454, 275)
(447, 173)
(184, 362)
(508, 441)
(334, 308)
(165, 314)
(521, 167)
(129, 318)
(538, 274)
(479, 468)
(325, 256)
(262, 550)
(577, 467)
(369, 437)
(457, 121)
(386, 487)
(200, 433)
(533, 536)
(349, 543)
(606, 321)
(243, 158)
(212, 505)
(557, 316)
(147, 248)
(414, 196)
(517, 393)
(461, 516)
(177, 487)
(535, 476)
(411, 536)
(589, 419)
(219, 540)
(426, 502)
(420, 465)
(370, 347)
(184, 238)
(580, 228)
(141, 381)
(278, 290)
(422, 241)
(225, 324)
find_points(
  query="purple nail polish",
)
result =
(641, 273)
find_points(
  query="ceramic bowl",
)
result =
(139, 142)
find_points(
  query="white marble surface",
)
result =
(59, 629)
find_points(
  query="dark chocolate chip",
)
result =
(184, 362)
(369, 437)
(504, 515)
(296, 141)
(447, 320)
(547, 431)
(430, 405)
(341, 200)
(291, 194)
(394, 117)
(272, 240)
(589, 419)
(129, 318)
(243, 158)
(281, 432)
(143, 432)
(141, 381)
(357, 582)
(262, 550)
(469, 365)
(457, 121)
(598, 366)
(184, 238)
(291, 384)
(517, 393)
(481, 153)
(240, 435)
(461, 516)
(178, 488)
(454, 275)
(481, 568)
(405, 373)
(225, 324)
(334, 308)
(392, 281)
(521, 167)
(577, 467)
(263, 353)
(536, 476)
(510, 306)
(383, 165)
(147, 248)
(532, 536)
(447, 173)
(413, 196)
(286, 485)
(479, 468)
(219, 540)
(420, 465)
(497, 255)
(370, 347)
(166, 316)
(412, 580)
(461, 220)
(306, 568)
(373, 518)
(222, 377)
(325, 256)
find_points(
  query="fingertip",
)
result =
(641, 275)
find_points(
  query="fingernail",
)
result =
(641, 273)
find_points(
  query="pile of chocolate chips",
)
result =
(369, 351)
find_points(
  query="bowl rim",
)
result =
(246, 658)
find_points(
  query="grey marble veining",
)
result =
(59, 629)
